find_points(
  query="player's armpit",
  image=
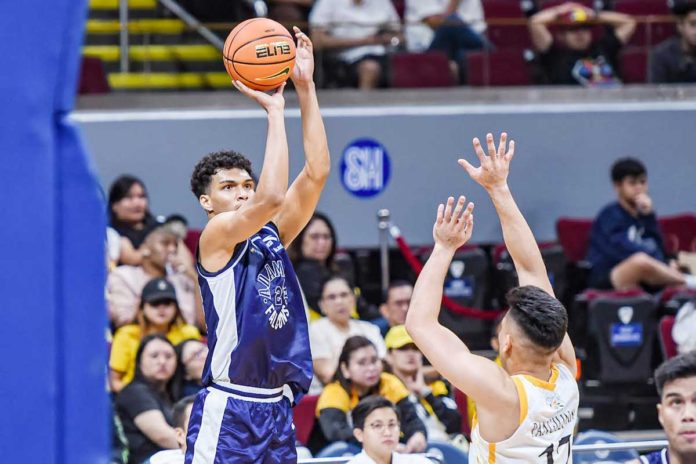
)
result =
(478, 377)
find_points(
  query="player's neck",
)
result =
(540, 369)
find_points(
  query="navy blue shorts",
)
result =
(231, 426)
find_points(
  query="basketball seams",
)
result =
(270, 86)
(259, 64)
(226, 52)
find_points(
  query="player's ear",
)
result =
(358, 434)
(204, 200)
(659, 414)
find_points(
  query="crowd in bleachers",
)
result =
(627, 256)
(500, 42)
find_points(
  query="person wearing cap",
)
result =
(434, 405)
(125, 283)
(674, 60)
(158, 313)
(577, 59)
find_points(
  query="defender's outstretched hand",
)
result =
(304, 59)
(272, 101)
(453, 229)
(495, 166)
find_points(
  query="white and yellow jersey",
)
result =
(548, 414)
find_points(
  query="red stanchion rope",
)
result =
(447, 302)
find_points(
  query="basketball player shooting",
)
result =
(526, 409)
(259, 360)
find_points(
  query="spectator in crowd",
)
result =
(433, 401)
(290, 11)
(312, 254)
(495, 345)
(145, 405)
(129, 212)
(191, 355)
(576, 58)
(674, 60)
(450, 26)
(159, 314)
(328, 334)
(359, 31)
(125, 283)
(181, 412)
(675, 380)
(625, 248)
(396, 304)
(358, 376)
(376, 426)
(183, 259)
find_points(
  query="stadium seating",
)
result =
(592, 437)
(497, 68)
(463, 407)
(679, 232)
(430, 69)
(621, 329)
(634, 65)
(304, 415)
(669, 348)
(554, 259)
(191, 240)
(92, 77)
(446, 452)
(657, 26)
(574, 236)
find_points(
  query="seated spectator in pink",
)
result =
(576, 58)
(145, 405)
(626, 249)
(129, 212)
(328, 334)
(674, 60)
(290, 11)
(125, 283)
(159, 314)
(358, 31)
(453, 27)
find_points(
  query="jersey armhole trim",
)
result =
(522, 394)
(234, 259)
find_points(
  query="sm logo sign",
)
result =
(365, 168)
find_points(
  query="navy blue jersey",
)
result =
(658, 457)
(257, 324)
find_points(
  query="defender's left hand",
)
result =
(453, 229)
(304, 59)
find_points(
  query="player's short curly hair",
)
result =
(542, 318)
(212, 163)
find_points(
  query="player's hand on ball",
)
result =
(272, 101)
(454, 224)
(495, 166)
(304, 59)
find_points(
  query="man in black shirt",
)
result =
(674, 60)
(576, 58)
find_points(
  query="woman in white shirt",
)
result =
(328, 334)
(376, 426)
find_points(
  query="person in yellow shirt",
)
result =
(158, 314)
(358, 376)
(434, 405)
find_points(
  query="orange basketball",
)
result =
(259, 52)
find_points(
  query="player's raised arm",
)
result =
(229, 226)
(478, 377)
(492, 175)
(303, 195)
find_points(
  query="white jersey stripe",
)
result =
(223, 290)
(213, 411)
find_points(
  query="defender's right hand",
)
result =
(495, 167)
(269, 102)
